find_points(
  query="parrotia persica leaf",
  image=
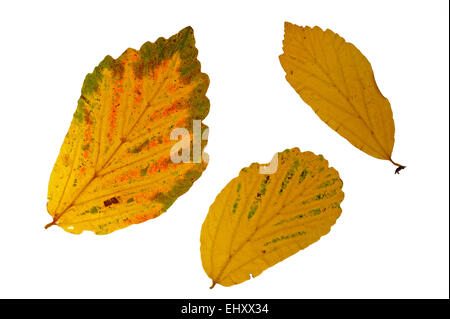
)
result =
(337, 81)
(258, 220)
(114, 168)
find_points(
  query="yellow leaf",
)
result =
(337, 81)
(114, 168)
(258, 220)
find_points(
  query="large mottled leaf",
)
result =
(337, 81)
(114, 168)
(258, 219)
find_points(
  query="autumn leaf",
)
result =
(114, 168)
(337, 81)
(258, 220)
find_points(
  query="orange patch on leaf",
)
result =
(167, 110)
(138, 91)
(171, 88)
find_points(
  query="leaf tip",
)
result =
(187, 32)
(287, 27)
(188, 29)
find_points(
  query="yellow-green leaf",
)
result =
(337, 81)
(114, 168)
(258, 219)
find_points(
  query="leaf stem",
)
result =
(399, 166)
(213, 284)
(53, 222)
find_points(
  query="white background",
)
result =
(393, 236)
